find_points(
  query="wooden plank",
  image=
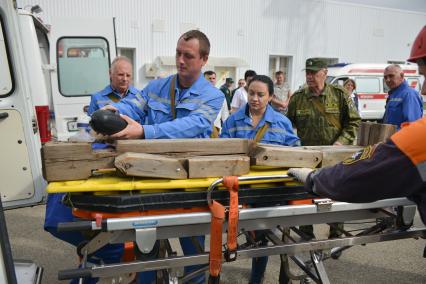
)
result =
(360, 133)
(332, 148)
(336, 154)
(365, 133)
(375, 129)
(200, 147)
(217, 166)
(69, 161)
(66, 150)
(282, 156)
(386, 132)
(72, 170)
(148, 165)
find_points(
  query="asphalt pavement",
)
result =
(387, 262)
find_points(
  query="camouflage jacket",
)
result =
(313, 128)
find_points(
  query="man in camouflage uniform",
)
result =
(323, 114)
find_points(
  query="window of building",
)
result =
(368, 85)
(330, 60)
(414, 83)
(83, 65)
(129, 53)
(6, 80)
(396, 62)
(281, 63)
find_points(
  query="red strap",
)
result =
(218, 216)
(231, 184)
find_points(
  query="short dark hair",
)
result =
(249, 73)
(202, 39)
(209, 73)
(264, 79)
(279, 73)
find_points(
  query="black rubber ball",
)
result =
(107, 122)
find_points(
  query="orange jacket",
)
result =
(396, 168)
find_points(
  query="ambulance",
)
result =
(47, 75)
(371, 88)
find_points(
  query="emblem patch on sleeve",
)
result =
(363, 154)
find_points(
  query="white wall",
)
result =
(254, 29)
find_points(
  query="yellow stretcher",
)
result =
(111, 182)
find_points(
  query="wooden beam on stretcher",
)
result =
(217, 166)
(371, 133)
(300, 157)
(284, 156)
(189, 147)
(149, 165)
(73, 161)
(332, 155)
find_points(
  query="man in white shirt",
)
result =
(282, 93)
(240, 96)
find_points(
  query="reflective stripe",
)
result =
(277, 130)
(139, 103)
(421, 167)
(159, 99)
(238, 128)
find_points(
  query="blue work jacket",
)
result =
(107, 97)
(404, 104)
(196, 108)
(280, 130)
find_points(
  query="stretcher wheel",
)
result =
(402, 223)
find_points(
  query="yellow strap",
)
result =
(113, 98)
(261, 132)
(215, 132)
(329, 117)
(172, 96)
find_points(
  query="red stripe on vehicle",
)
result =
(372, 96)
(377, 71)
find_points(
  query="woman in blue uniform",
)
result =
(260, 122)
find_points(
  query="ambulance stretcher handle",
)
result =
(75, 273)
(75, 226)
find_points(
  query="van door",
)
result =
(81, 52)
(20, 167)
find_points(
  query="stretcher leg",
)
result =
(319, 268)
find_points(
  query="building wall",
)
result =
(253, 29)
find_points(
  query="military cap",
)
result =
(315, 64)
(229, 80)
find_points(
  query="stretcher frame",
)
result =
(146, 230)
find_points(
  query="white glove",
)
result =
(300, 174)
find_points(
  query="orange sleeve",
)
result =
(411, 140)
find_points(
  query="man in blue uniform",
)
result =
(179, 106)
(404, 103)
(120, 75)
(183, 105)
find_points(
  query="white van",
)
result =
(46, 77)
(370, 85)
